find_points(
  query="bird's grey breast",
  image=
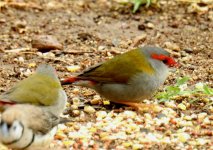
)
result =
(139, 87)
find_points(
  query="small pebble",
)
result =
(76, 101)
(48, 55)
(201, 116)
(141, 27)
(150, 25)
(76, 91)
(184, 123)
(27, 73)
(21, 59)
(101, 114)
(60, 135)
(148, 116)
(172, 46)
(161, 115)
(201, 141)
(101, 47)
(129, 114)
(75, 113)
(31, 65)
(68, 143)
(89, 109)
(95, 101)
(74, 107)
(188, 50)
(181, 106)
(189, 118)
(73, 68)
(206, 121)
(183, 137)
(45, 43)
(139, 39)
(170, 104)
(106, 102)
(137, 146)
(104, 136)
(127, 144)
(195, 8)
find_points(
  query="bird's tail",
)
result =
(4, 105)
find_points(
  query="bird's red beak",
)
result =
(172, 63)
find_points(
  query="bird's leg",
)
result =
(140, 107)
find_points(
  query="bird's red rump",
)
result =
(78, 81)
(166, 59)
(6, 103)
(69, 80)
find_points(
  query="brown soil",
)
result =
(92, 31)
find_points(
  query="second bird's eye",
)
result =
(14, 128)
(8, 125)
(1, 122)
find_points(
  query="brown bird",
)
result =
(25, 126)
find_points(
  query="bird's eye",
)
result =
(165, 61)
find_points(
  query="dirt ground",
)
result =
(93, 31)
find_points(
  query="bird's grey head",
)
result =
(10, 132)
(47, 70)
(159, 55)
(149, 50)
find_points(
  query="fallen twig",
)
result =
(17, 50)
(24, 5)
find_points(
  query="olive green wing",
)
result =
(37, 89)
(119, 69)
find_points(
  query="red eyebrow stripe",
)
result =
(159, 57)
